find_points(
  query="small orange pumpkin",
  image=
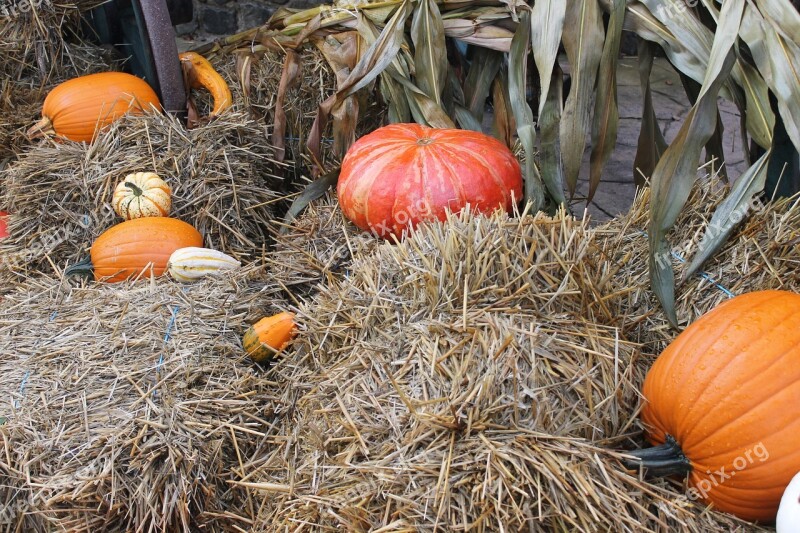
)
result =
(723, 404)
(264, 339)
(78, 108)
(136, 247)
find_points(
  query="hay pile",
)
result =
(257, 93)
(223, 178)
(130, 407)
(39, 38)
(761, 254)
(463, 379)
(315, 249)
(39, 48)
(21, 97)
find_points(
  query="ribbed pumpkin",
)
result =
(402, 174)
(142, 194)
(78, 108)
(192, 264)
(723, 400)
(269, 336)
(137, 247)
(788, 520)
(201, 75)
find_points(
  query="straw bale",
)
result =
(315, 83)
(761, 254)
(223, 179)
(457, 380)
(40, 38)
(131, 407)
(316, 248)
(21, 97)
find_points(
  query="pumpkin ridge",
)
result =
(502, 185)
(366, 182)
(776, 359)
(490, 170)
(458, 186)
(784, 457)
(676, 361)
(761, 400)
(412, 150)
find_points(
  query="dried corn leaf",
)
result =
(430, 55)
(651, 142)
(583, 42)
(547, 25)
(606, 114)
(523, 116)
(676, 171)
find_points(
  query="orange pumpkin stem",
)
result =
(661, 461)
(40, 129)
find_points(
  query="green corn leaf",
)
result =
(549, 122)
(315, 189)
(482, 71)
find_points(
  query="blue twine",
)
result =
(17, 403)
(167, 337)
(705, 275)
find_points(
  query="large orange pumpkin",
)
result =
(723, 400)
(78, 108)
(136, 246)
(402, 174)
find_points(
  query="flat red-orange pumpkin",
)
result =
(402, 174)
(134, 247)
(728, 391)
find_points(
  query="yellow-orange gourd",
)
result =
(78, 108)
(202, 75)
(269, 336)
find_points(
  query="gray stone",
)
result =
(252, 15)
(218, 20)
(187, 28)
